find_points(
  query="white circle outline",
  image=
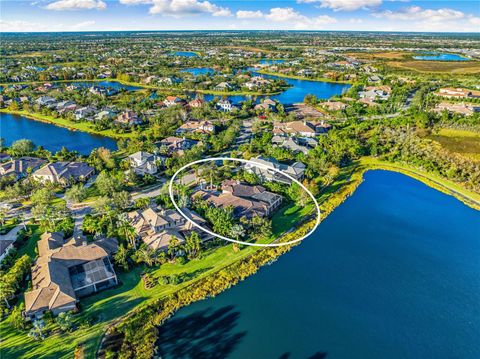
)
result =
(170, 191)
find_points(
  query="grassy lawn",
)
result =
(287, 216)
(465, 143)
(454, 67)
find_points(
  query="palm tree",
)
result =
(146, 255)
(192, 245)
(121, 257)
(128, 231)
(237, 231)
(173, 247)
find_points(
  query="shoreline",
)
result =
(163, 308)
(60, 122)
(293, 77)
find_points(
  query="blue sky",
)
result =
(376, 15)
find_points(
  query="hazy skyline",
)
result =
(361, 15)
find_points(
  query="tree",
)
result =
(76, 193)
(121, 257)
(146, 255)
(128, 231)
(237, 231)
(173, 247)
(65, 321)
(22, 147)
(36, 332)
(16, 317)
(192, 245)
(108, 183)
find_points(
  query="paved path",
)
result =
(12, 235)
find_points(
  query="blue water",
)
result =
(106, 84)
(393, 273)
(441, 57)
(271, 62)
(51, 137)
(199, 71)
(185, 54)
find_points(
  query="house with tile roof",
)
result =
(64, 172)
(66, 270)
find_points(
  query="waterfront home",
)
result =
(196, 103)
(266, 105)
(224, 86)
(450, 92)
(106, 114)
(46, 101)
(156, 227)
(169, 80)
(300, 128)
(173, 101)
(144, 162)
(21, 167)
(460, 108)
(225, 105)
(246, 200)
(64, 172)
(128, 118)
(175, 144)
(296, 170)
(333, 105)
(66, 270)
(84, 112)
(196, 127)
(63, 105)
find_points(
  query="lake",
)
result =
(271, 61)
(440, 57)
(394, 272)
(185, 54)
(199, 71)
(112, 85)
(51, 137)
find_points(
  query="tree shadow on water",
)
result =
(203, 334)
(317, 355)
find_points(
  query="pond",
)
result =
(199, 71)
(51, 137)
(271, 61)
(394, 272)
(113, 85)
(433, 56)
(185, 54)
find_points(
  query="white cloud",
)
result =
(417, 13)
(76, 5)
(27, 26)
(298, 21)
(444, 19)
(244, 14)
(283, 14)
(179, 8)
(345, 5)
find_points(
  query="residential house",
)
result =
(19, 168)
(176, 144)
(66, 270)
(300, 128)
(144, 162)
(84, 112)
(267, 105)
(128, 118)
(196, 103)
(460, 108)
(333, 105)
(225, 105)
(450, 92)
(196, 127)
(374, 93)
(156, 227)
(224, 86)
(46, 101)
(265, 170)
(290, 143)
(64, 172)
(106, 114)
(246, 201)
(173, 101)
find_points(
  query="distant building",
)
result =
(128, 118)
(225, 105)
(450, 92)
(196, 127)
(176, 144)
(460, 108)
(300, 128)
